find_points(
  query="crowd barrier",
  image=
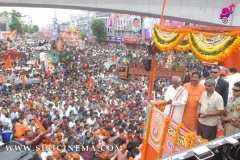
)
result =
(163, 136)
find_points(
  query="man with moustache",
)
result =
(195, 90)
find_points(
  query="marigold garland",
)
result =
(145, 140)
(188, 138)
(176, 137)
(219, 57)
(164, 46)
(212, 51)
(165, 129)
(206, 34)
(217, 53)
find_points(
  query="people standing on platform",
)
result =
(195, 90)
(211, 106)
(232, 111)
(221, 85)
(176, 97)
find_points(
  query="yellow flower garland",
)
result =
(170, 46)
(206, 34)
(222, 56)
(175, 45)
(176, 137)
(215, 48)
(145, 140)
(188, 138)
(165, 129)
(183, 48)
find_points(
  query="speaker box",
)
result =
(147, 63)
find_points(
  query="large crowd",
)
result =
(105, 119)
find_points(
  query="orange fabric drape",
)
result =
(20, 131)
(39, 124)
(232, 61)
(8, 63)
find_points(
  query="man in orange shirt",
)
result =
(195, 90)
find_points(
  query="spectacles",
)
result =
(235, 90)
(214, 72)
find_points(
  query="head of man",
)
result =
(195, 78)
(215, 72)
(29, 133)
(135, 23)
(176, 81)
(210, 85)
(236, 89)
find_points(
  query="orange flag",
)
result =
(23, 79)
(8, 63)
(20, 131)
(39, 124)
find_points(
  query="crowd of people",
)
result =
(76, 106)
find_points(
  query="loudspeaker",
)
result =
(149, 47)
(147, 62)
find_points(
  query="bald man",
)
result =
(176, 97)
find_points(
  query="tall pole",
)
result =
(150, 89)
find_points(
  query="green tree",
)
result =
(15, 23)
(35, 28)
(83, 34)
(98, 29)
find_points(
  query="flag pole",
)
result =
(150, 89)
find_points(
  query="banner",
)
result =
(136, 24)
(169, 139)
(156, 129)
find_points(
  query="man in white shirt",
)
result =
(44, 60)
(211, 106)
(176, 97)
(91, 120)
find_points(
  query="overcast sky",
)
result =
(43, 16)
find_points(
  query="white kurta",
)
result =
(178, 104)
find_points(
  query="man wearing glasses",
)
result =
(221, 85)
(232, 111)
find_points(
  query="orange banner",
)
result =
(39, 124)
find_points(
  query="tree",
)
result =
(35, 28)
(15, 23)
(98, 29)
(83, 34)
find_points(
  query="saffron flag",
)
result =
(39, 124)
(23, 79)
(20, 131)
(8, 63)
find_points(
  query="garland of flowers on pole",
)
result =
(145, 140)
(189, 138)
(176, 137)
(165, 129)
(209, 47)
